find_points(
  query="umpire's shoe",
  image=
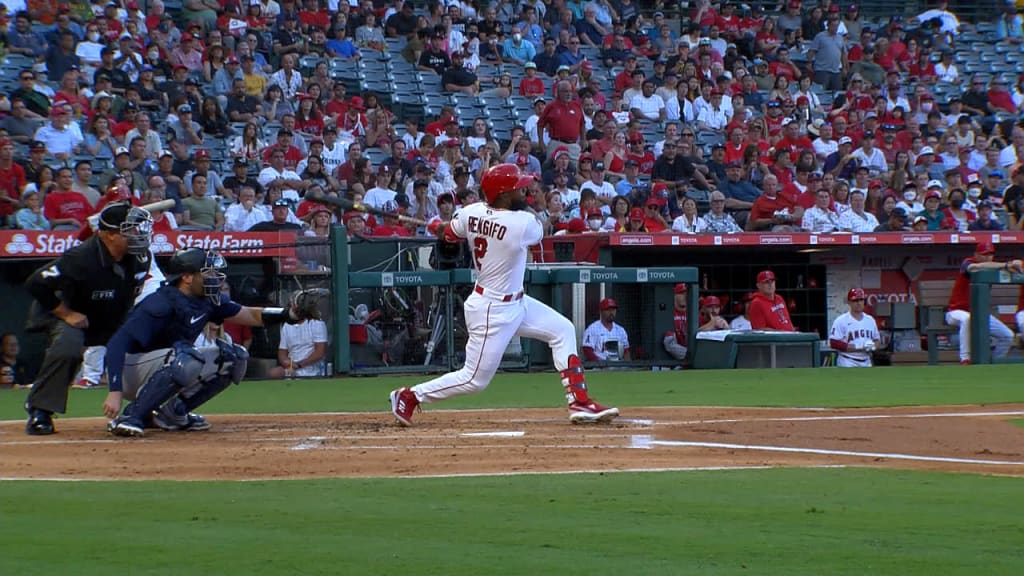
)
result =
(40, 422)
(126, 427)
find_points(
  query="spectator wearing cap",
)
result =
(292, 154)
(932, 214)
(240, 177)
(768, 310)
(214, 182)
(189, 55)
(897, 221)
(986, 221)
(714, 117)
(870, 157)
(531, 85)
(186, 130)
(457, 78)
(278, 221)
(62, 137)
(604, 191)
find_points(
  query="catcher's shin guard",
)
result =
(182, 371)
(209, 388)
(574, 382)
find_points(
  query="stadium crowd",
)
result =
(643, 116)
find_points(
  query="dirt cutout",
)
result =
(949, 438)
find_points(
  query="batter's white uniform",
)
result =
(497, 309)
(856, 333)
(607, 342)
(92, 360)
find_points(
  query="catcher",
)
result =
(151, 360)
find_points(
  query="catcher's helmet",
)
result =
(502, 178)
(855, 294)
(196, 260)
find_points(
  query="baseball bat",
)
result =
(346, 204)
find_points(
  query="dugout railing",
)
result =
(982, 283)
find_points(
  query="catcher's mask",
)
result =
(209, 264)
(134, 223)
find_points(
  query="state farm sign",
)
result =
(48, 244)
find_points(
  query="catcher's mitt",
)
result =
(305, 304)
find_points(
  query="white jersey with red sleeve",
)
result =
(498, 241)
(855, 333)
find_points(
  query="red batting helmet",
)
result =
(608, 303)
(855, 294)
(502, 178)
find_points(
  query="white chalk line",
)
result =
(821, 451)
(842, 417)
(391, 447)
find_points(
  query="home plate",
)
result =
(509, 434)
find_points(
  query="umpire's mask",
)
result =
(134, 223)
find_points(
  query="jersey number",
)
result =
(479, 250)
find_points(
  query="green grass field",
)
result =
(779, 521)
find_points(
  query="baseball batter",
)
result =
(499, 234)
(959, 312)
(854, 334)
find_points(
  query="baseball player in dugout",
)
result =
(854, 334)
(959, 312)
(768, 310)
(151, 360)
(675, 341)
(605, 340)
(499, 232)
(84, 296)
(711, 315)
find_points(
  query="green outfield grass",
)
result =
(763, 522)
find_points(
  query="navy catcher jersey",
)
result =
(163, 319)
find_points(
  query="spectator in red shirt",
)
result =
(531, 85)
(292, 155)
(563, 119)
(63, 207)
(773, 211)
(999, 98)
(12, 180)
(767, 309)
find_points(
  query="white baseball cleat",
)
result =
(590, 411)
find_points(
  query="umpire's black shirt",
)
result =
(88, 280)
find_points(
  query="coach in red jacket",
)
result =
(768, 309)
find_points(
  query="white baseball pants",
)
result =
(492, 324)
(1000, 336)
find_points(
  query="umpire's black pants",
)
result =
(60, 364)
